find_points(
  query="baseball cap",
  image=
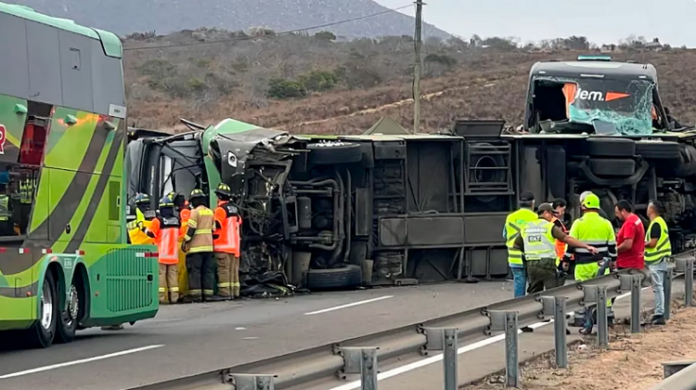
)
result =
(545, 207)
(527, 196)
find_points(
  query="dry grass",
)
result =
(485, 84)
(632, 362)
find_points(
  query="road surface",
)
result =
(190, 339)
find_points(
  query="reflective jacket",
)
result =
(539, 242)
(200, 230)
(5, 208)
(664, 246)
(166, 232)
(228, 236)
(596, 231)
(513, 227)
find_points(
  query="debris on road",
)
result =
(633, 361)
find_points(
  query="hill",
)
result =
(313, 84)
(128, 16)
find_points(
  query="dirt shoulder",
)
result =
(632, 362)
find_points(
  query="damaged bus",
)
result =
(64, 261)
(339, 211)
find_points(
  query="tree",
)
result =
(285, 89)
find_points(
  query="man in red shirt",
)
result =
(631, 238)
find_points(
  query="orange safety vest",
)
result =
(184, 215)
(560, 245)
(228, 237)
(166, 231)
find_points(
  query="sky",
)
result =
(601, 21)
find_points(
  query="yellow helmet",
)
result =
(197, 193)
(591, 201)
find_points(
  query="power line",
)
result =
(246, 38)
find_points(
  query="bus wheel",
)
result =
(42, 333)
(67, 326)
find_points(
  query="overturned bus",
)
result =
(340, 211)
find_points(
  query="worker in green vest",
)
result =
(6, 224)
(658, 251)
(538, 241)
(594, 230)
(511, 231)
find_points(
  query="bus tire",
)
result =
(66, 327)
(42, 333)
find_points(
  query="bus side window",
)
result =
(35, 134)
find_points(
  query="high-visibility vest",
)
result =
(184, 216)
(561, 246)
(228, 240)
(166, 232)
(513, 227)
(5, 208)
(593, 230)
(137, 236)
(664, 246)
(538, 240)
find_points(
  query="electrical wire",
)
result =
(246, 38)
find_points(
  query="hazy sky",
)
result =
(601, 21)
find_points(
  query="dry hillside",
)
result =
(316, 84)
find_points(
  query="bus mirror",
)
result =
(20, 109)
(109, 126)
(70, 120)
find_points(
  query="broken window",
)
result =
(626, 106)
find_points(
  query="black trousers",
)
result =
(201, 274)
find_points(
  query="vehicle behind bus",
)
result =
(64, 259)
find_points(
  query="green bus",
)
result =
(65, 263)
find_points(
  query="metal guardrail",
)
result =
(361, 356)
(678, 376)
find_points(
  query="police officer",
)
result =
(594, 230)
(198, 245)
(227, 243)
(537, 240)
(513, 227)
(658, 251)
(165, 231)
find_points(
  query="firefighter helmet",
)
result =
(223, 190)
(141, 198)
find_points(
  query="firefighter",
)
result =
(143, 219)
(165, 231)
(538, 241)
(594, 230)
(513, 227)
(198, 245)
(184, 213)
(227, 243)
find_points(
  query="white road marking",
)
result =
(81, 361)
(438, 358)
(348, 305)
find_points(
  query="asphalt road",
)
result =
(190, 339)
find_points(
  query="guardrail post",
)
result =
(602, 318)
(362, 360)
(559, 330)
(507, 321)
(368, 371)
(511, 356)
(253, 382)
(668, 293)
(635, 303)
(450, 359)
(689, 283)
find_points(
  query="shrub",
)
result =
(286, 89)
(318, 80)
(325, 36)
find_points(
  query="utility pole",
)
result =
(418, 68)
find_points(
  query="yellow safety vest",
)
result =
(593, 230)
(538, 240)
(4, 208)
(513, 227)
(664, 246)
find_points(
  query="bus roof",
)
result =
(610, 69)
(110, 42)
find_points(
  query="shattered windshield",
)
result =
(624, 105)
